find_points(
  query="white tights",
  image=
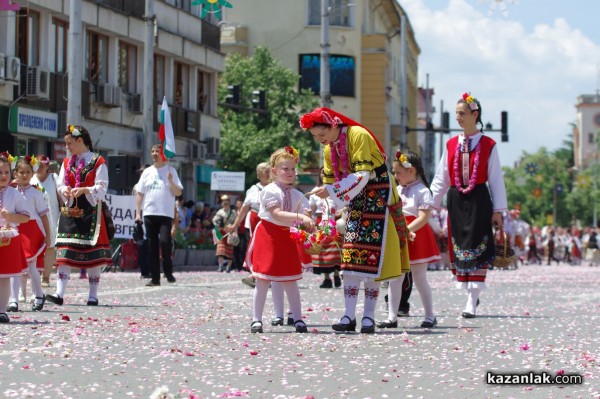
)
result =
(20, 282)
(351, 288)
(64, 274)
(4, 293)
(419, 273)
(260, 297)
(474, 292)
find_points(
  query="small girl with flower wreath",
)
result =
(272, 255)
(35, 234)
(468, 166)
(13, 211)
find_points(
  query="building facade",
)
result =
(366, 55)
(586, 130)
(187, 59)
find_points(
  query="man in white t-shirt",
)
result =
(48, 181)
(155, 199)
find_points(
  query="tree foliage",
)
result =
(247, 137)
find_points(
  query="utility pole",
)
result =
(403, 80)
(74, 64)
(148, 94)
(324, 78)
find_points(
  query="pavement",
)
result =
(192, 339)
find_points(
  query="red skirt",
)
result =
(32, 239)
(424, 248)
(13, 262)
(273, 255)
(254, 219)
(224, 249)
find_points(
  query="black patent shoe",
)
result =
(290, 320)
(4, 318)
(36, 307)
(278, 321)
(468, 315)
(326, 283)
(170, 278)
(55, 299)
(300, 327)
(367, 329)
(12, 307)
(337, 281)
(388, 324)
(92, 302)
(256, 327)
(428, 323)
(351, 326)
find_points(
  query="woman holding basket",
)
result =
(82, 240)
(469, 164)
(374, 248)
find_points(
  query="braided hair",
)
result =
(415, 161)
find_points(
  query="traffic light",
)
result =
(445, 122)
(504, 126)
(233, 95)
(259, 99)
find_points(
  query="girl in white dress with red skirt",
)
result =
(35, 234)
(13, 211)
(417, 204)
(273, 255)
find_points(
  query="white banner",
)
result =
(122, 208)
(227, 181)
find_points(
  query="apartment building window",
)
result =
(97, 51)
(181, 84)
(339, 14)
(28, 39)
(204, 92)
(61, 37)
(341, 74)
(127, 67)
(159, 77)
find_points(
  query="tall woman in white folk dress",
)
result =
(470, 161)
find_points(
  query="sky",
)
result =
(531, 58)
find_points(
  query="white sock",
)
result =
(394, 297)
(258, 300)
(15, 286)
(472, 300)
(371, 294)
(351, 287)
(94, 280)
(63, 276)
(278, 298)
(293, 294)
(36, 282)
(24, 284)
(419, 273)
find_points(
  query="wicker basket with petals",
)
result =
(313, 241)
(74, 212)
(505, 255)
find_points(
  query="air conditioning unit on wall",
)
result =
(38, 82)
(108, 96)
(197, 152)
(13, 69)
(2, 66)
(212, 147)
(135, 104)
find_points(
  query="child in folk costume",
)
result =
(470, 161)
(35, 234)
(416, 205)
(82, 240)
(13, 211)
(273, 255)
(355, 175)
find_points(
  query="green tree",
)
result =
(248, 138)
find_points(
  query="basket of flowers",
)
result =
(74, 212)
(6, 235)
(505, 255)
(323, 234)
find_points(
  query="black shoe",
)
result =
(256, 327)
(249, 281)
(428, 323)
(388, 324)
(403, 313)
(55, 299)
(4, 318)
(36, 307)
(300, 327)
(170, 278)
(351, 326)
(367, 329)
(278, 321)
(152, 284)
(290, 321)
(337, 281)
(468, 315)
(92, 302)
(326, 283)
(12, 307)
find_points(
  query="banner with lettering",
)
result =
(122, 208)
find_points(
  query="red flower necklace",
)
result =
(342, 155)
(473, 178)
(80, 166)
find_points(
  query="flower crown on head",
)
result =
(74, 131)
(12, 160)
(33, 161)
(471, 101)
(294, 152)
(403, 159)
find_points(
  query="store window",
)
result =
(341, 74)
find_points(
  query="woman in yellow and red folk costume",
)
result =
(470, 161)
(355, 175)
(82, 240)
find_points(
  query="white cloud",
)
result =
(535, 75)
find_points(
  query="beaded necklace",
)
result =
(339, 152)
(473, 178)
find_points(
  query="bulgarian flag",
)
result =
(165, 132)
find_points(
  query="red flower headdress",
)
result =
(471, 101)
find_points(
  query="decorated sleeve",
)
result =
(343, 191)
(425, 199)
(98, 190)
(271, 198)
(61, 187)
(41, 203)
